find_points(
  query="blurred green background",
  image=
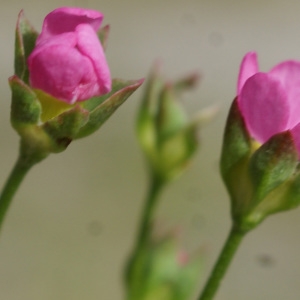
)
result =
(72, 223)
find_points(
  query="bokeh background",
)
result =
(72, 223)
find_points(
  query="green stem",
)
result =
(13, 182)
(28, 157)
(148, 213)
(143, 237)
(231, 245)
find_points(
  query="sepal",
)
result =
(101, 108)
(146, 119)
(25, 39)
(64, 128)
(103, 35)
(171, 118)
(25, 107)
(187, 82)
(273, 172)
(236, 142)
(272, 164)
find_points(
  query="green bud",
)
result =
(168, 138)
(163, 271)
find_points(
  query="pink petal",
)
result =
(68, 39)
(288, 74)
(249, 67)
(263, 103)
(89, 45)
(66, 19)
(65, 72)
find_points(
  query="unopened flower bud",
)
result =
(163, 271)
(261, 151)
(168, 137)
(62, 89)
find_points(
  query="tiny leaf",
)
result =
(121, 91)
(24, 43)
(25, 107)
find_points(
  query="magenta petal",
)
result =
(249, 67)
(68, 61)
(89, 45)
(264, 105)
(66, 19)
(288, 74)
(68, 39)
(64, 71)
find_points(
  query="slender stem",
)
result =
(29, 154)
(148, 211)
(12, 184)
(143, 237)
(230, 247)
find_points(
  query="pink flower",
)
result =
(270, 102)
(68, 61)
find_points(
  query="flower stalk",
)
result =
(146, 222)
(159, 268)
(28, 157)
(13, 182)
(230, 247)
(143, 236)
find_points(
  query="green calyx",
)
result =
(61, 123)
(261, 180)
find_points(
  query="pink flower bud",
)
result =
(270, 102)
(68, 61)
